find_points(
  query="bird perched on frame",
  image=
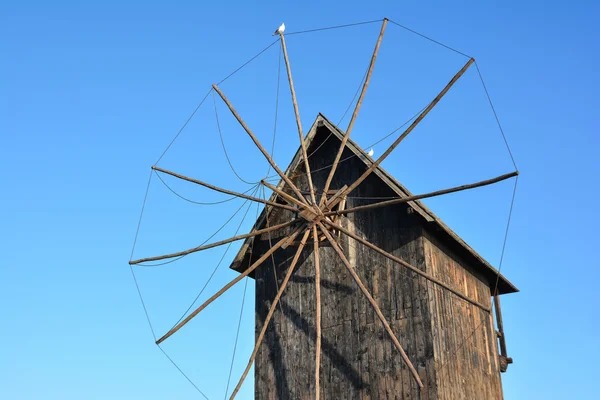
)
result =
(371, 152)
(280, 30)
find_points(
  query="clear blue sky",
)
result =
(91, 94)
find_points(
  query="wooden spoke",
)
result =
(380, 315)
(284, 195)
(211, 245)
(271, 311)
(405, 264)
(218, 189)
(260, 147)
(411, 127)
(318, 313)
(336, 198)
(298, 122)
(355, 113)
(425, 195)
(238, 278)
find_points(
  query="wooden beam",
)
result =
(337, 197)
(298, 122)
(247, 272)
(260, 147)
(411, 127)
(425, 195)
(318, 313)
(285, 196)
(405, 264)
(502, 337)
(218, 189)
(211, 245)
(290, 239)
(261, 335)
(355, 113)
(380, 315)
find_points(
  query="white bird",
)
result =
(280, 29)
(371, 152)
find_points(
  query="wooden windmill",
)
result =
(361, 291)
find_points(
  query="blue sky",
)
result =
(92, 93)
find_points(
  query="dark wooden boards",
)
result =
(451, 343)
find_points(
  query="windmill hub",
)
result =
(316, 212)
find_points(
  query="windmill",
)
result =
(441, 281)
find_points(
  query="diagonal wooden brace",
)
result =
(405, 264)
(221, 190)
(261, 335)
(411, 127)
(380, 315)
(241, 276)
(355, 113)
(211, 245)
(259, 146)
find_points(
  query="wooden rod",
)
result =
(290, 239)
(284, 195)
(298, 122)
(260, 147)
(411, 127)
(261, 335)
(365, 291)
(211, 245)
(218, 189)
(318, 312)
(425, 195)
(241, 276)
(405, 264)
(502, 337)
(336, 198)
(355, 113)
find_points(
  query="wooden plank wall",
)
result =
(359, 360)
(465, 346)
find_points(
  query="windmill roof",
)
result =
(441, 229)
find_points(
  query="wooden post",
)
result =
(380, 315)
(211, 245)
(500, 325)
(218, 189)
(241, 276)
(504, 359)
(271, 311)
(355, 113)
(424, 196)
(318, 313)
(298, 122)
(260, 147)
(411, 127)
(405, 264)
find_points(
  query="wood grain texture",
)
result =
(317, 312)
(271, 311)
(373, 303)
(466, 349)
